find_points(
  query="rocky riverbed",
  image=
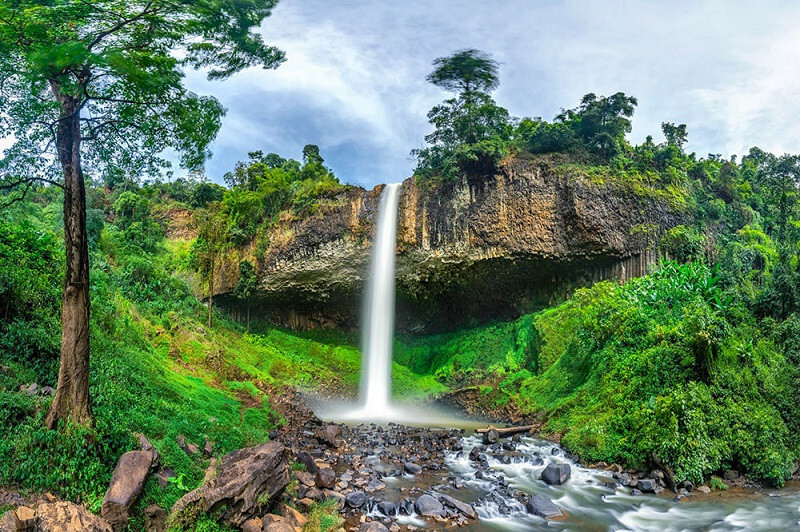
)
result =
(395, 477)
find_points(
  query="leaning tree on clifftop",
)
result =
(98, 85)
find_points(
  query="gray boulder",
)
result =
(125, 487)
(556, 474)
(429, 506)
(325, 478)
(373, 526)
(490, 436)
(355, 499)
(461, 506)
(542, 506)
(241, 482)
(646, 485)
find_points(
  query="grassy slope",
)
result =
(157, 369)
(621, 371)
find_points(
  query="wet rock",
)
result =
(730, 474)
(490, 436)
(657, 474)
(646, 485)
(307, 460)
(356, 499)
(687, 485)
(373, 526)
(556, 474)
(325, 478)
(542, 506)
(429, 506)
(412, 468)
(125, 487)
(155, 518)
(475, 453)
(460, 506)
(63, 516)
(537, 460)
(635, 492)
(406, 507)
(387, 508)
(241, 482)
(703, 489)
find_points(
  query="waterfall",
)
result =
(378, 327)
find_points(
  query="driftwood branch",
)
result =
(510, 431)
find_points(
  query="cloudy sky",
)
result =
(354, 79)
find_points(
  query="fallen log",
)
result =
(509, 431)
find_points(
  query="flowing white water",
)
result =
(378, 331)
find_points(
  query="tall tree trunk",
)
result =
(211, 294)
(71, 400)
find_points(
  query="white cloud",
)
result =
(354, 77)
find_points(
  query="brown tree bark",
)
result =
(71, 400)
(211, 294)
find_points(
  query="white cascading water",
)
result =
(378, 328)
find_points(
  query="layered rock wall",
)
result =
(467, 251)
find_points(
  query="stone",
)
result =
(275, 523)
(355, 499)
(163, 475)
(429, 506)
(125, 487)
(387, 508)
(305, 478)
(208, 448)
(703, 489)
(155, 518)
(307, 460)
(490, 436)
(556, 474)
(62, 516)
(542, 506)
(31, 389)
(657, 474)
(635, 492)
(687, 485)
(373, 526)
(475, 454)
(336, 496)
(412, 468)
(730, 474)
(10, 523)
(305, 504)
(26, 517)
(189, 448)
(252, 525)
(646, 485)
(325, 478)
(460, 506)
(47, 391)
(293, 517)
(242, 481)
(330, 435)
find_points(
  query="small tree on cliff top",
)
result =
(99, 85)
(466, 71)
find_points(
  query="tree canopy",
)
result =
(466, 71)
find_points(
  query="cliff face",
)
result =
(467, 252)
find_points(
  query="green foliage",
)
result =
(717, 484)
(465, 71)
(682, 244)
(125, 76)
(324, 517)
